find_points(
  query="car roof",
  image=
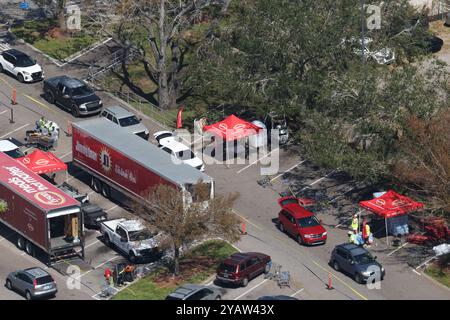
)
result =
(16, 53)
(353, 248)
(186, 290)
(72, 82)
(37, 272)
(6, 145)
(132, 225)
(298, 211)
(174, 145)
(119, 112)
(237, 258)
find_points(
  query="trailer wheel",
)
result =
(29, 248)
(21, 243)
(95, 184)
(106, 191)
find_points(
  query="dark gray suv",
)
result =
(356, 261)
(32, 282)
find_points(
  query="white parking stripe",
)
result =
(416, 272)
(4, 111)
(5, 135)
(293, 295)
(301, 162)
(318, 180)
(67, 154)
(397, 249)
(250, 290)
(112, 208)
(256, 161)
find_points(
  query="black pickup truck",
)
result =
(72, 94)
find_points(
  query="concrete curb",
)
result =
(434, 280)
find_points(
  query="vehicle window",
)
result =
(167, 150)
(140, 235)
(254, 261)
(122, 233)
(109, 117)
(308, 222)
(24, 61)
(164, 135)
(128, 121)
(185, 155)
(289, 201)
(64, 90)
(82, 91)
(242, 266)
(115, 120)
(16, 153)
(44, 280)
(227, 267)
(200, 294)
(104, 114)
(341, 253)
(8, 58)
(364, 258)
(60, 87)
(24, 277)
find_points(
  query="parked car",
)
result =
(167, 142)
(32, 283)
(126, 119)
(300, 223)
(21, 66)
(73, 95)
(278, 297)
(240, 268)
(355, 261)
(11, 148)
(433, 44)
(195, 292)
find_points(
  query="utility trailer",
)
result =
(42, 216)
(120, 164)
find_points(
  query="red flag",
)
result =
(364, 233)
(179, 121)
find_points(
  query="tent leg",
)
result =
(387, 233)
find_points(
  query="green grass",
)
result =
(439, 275)
(36, 33)
(196, 266)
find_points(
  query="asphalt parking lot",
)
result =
(338, 197)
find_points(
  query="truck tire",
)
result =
(95, 184)
(50, 97)
(106, 190)
(74, 111)
(29, 248)
(107, 240)
(1, 68)
(20, 243)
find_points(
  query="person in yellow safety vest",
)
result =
(368, 234)
(42, 122)
(352, 237)
(355, 223)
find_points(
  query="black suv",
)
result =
(73, 95)
(356, 261)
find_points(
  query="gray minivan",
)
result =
(127, 120)
(32, 283)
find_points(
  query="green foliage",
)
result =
(3, 206)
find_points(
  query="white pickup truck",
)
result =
(132, 238)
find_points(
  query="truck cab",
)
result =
(11, 148)
(132, 238)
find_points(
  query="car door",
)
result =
(121, 234)
(66, 94)
(290, 223)
(346, 262)
(256, 267)
(22, 282)
(9, 62)
(114, 119)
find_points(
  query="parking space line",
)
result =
(296, 293)
(397, 249)
(301, 162)
(318, 180)
(424, 263)
(415, 271)
(5, 135)
(89, 245)
(95, 268)
(65, 155)
(112, 208)
(340, 280)
(4, 111)
(38, 102)
(248, 291)
(248, 166)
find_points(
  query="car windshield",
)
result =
(16, 153)
(225, 267)
(44, 280)
(164, 135)
(185, 155)
(81, 91)
(128, 121)
(140, 235)
(364, 258)
(24, 61)
(308, 222)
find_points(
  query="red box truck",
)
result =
(42, 216)
(121, 163)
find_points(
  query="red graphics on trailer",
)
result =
(29, 199)
(114, 166)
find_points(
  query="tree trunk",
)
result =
(176, 260)
(163, 89)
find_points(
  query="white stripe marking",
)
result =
(416, 272)
(248, 291)
(257, 161)
(293, 295)
(301, 162)
(5, 135)
(112, 208)
(397, 249)
(5, 111)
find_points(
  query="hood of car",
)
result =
(137, 128)
(92, 97)
(32, 69)
(313, 230)
(367, 266)
(194, 162)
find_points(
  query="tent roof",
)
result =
(391, 204)
(42, 162)
(232, 128)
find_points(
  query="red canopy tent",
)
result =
(391, 204)
(42, 162)
(232, 128)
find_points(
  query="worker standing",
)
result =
(355, 223)
(369, 237)
(53, 137)
(352, 237)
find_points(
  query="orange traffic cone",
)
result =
(14, 97)
(330, 283)
(69, 128)
(244, 227)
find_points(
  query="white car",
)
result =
(21, 66)
(11, 149)
(167, 142)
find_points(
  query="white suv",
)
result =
(21, 66)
